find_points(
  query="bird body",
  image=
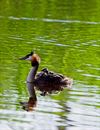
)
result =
(48, 81)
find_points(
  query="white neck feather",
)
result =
(32, 73)
(30, 79)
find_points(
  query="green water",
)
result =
(66, 35)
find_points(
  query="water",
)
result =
(66, 35)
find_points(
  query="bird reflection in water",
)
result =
(32, 101)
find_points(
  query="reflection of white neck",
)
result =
(31, 90)
(32, 73)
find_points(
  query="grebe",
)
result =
(46, 81)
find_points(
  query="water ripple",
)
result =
(50, 20)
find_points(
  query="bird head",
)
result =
(33, 57)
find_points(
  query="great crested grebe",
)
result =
(46, 81)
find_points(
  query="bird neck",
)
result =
(32, 73)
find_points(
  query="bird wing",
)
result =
(49, 77)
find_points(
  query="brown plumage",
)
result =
(46, 81)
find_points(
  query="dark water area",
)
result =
(66, 35)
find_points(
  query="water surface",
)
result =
(66, 35)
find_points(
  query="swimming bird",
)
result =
(45, 81)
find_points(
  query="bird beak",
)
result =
(23, 58)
